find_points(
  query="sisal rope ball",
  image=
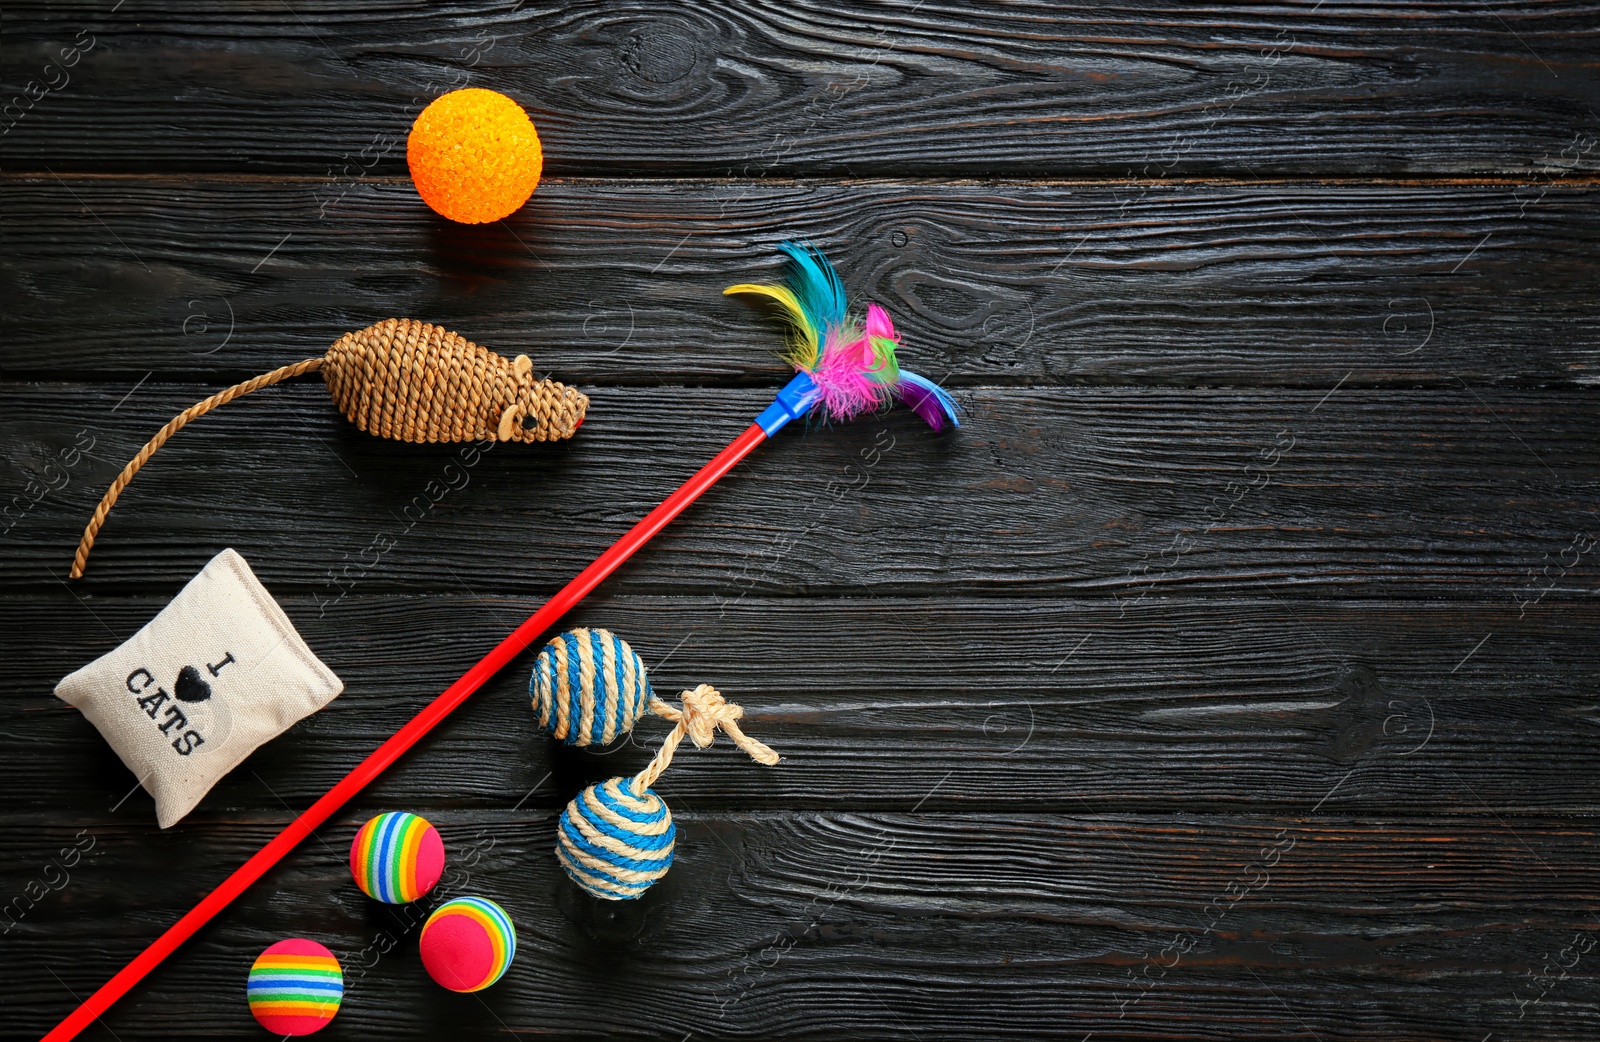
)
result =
(397, 857)
(295, 987)
(616, 839)
(588, 687)
(474, 156)
(467, 944)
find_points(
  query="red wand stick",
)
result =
(793, 401)
(845, 366)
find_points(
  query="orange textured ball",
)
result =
(474, 155)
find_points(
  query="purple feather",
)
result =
(928, 400)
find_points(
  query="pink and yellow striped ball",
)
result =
(397, 857)
(467, 944)
(295, 987)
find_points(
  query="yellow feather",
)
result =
(807, 349)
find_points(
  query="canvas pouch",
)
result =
(218, 672)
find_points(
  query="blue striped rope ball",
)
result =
(614, 840)
(588, 687)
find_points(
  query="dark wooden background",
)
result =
(1232, 673)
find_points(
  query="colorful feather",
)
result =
(928, 400)
(852, 362)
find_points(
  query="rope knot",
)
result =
(704, 711)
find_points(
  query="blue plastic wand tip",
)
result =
(793, 402)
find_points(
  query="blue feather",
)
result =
(817, 286)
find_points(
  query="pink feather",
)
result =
(879, 324)
(844, 377)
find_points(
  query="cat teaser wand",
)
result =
(846, 366)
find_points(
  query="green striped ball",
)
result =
(295, 987)
(397, 857)
(467, 944)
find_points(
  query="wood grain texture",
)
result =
(757, 90)
(1017, 283)
(933, 926)
(1063, 705)
(1127, 493)
(1231, 673)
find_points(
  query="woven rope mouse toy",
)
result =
(616, 839)
(402, 379)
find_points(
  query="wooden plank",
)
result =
(1120, 493)
(927, 926)
(755, 90)
(1014, 283)
(1230, 674)
(952, 703)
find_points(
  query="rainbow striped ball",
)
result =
(615, 841)
(468, 943)
(588, 687)
(295, 987)
(397, 857)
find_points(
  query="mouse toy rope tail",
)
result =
(174, 425)
(406, 380)
(616, 839)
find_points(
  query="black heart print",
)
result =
(190, 686)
